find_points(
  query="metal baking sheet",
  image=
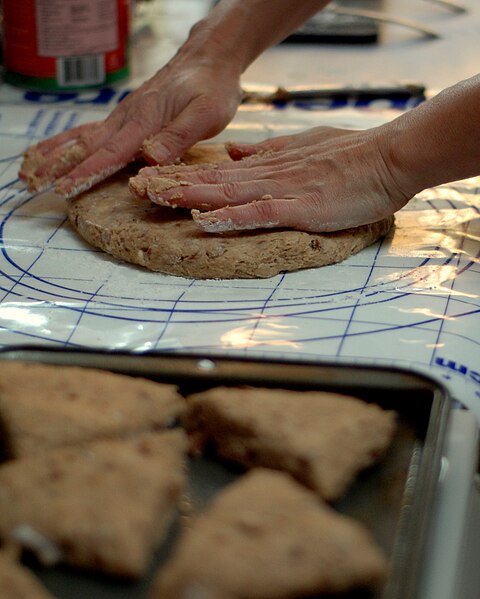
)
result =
(393, 499)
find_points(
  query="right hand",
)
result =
(322, 179)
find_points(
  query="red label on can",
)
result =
(65, 44)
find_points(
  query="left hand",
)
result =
(188, 100)
(323, 179)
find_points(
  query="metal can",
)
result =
(65, 45)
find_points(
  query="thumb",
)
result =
(165, 147)
(182, 133)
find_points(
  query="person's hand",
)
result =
(186, 101)
(190, 99)
(324, 179)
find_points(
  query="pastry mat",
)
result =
(410, 301)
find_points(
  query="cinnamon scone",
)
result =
(18, 582)
(322, 439)
(267, 537)
(44, 406)
(102, 506)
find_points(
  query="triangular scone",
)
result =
(322, 439)
(17, 582)
(45, 406)
(266, 536)
(103, 506)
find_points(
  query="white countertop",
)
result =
(401, 54)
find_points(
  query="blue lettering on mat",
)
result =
(461, 369)
(108, 95)
(98, 97)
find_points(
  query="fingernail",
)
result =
(210, 223)
(70, 188)
(157, 186)
(66, 188)
(238, 151)
(156, 153)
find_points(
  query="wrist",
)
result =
(238, 31)
(437, 142)
(403, 157)
(216, 41)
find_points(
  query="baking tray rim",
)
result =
(220, 365)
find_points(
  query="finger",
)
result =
(35, 167)
(208, 173)
(237, 151)
(112, 156)
(58, 158)
(247, 168)
(138, 184)
(159, 178)
(40, 172)
(197, 122)
(241, 218)
(162, 178)
(179, 170)
(182, 194)
(274, 213)
(46, 146)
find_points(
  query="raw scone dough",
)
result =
(167, 240)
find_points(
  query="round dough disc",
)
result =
(168, 240)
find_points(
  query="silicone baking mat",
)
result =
(411, 300)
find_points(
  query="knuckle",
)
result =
(176, 135)
(311, 162)
(141, 118)
(206, 106)
(112, 147)
(84, 142)
(211, 176)
(230, 191)
(88, 138)
(212, 115)
(267, 211)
